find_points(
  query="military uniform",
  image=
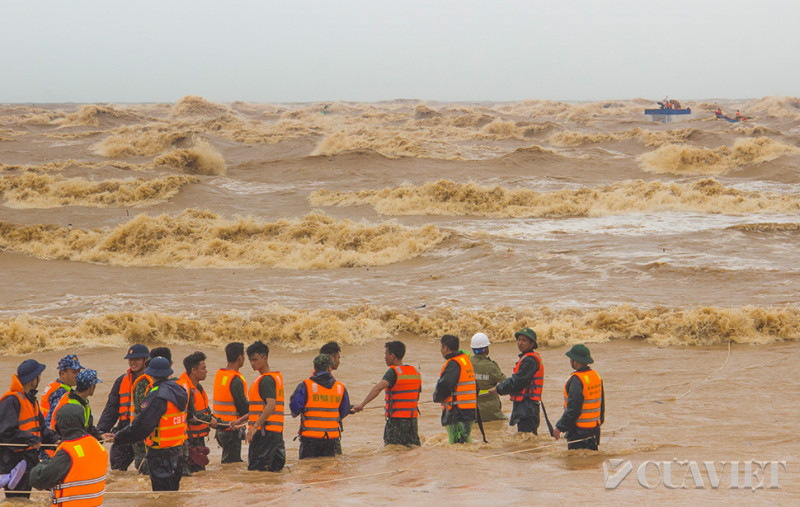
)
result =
(488, 375)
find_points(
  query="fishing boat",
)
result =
(667, 110)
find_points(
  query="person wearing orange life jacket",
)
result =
(68, 369)
(162, 425)
(198, 412)
(402, 385)
(76, 475)
(322, 402)
(267, 452)
(118, 409)
(525, 384)
(584, 402)
(21, 422)
(487, 375)
(229, 403)
(141, 386)
(85, 385)
(456, 391)
(335, 351)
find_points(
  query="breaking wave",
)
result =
(646, 137)
(685, 159)
(446, 197)
(93, 115)
(204, 239)
(308, 329)
(33, 190)
(193, 105)
(202, 158)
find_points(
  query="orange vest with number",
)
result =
(171, 429)
(466, 392)
(592, 398)
(28, 412)
(85, 482)
(200, 400)
(222, 404)
(275, 420)
(402, 399)
(320, 417)
(533, 390)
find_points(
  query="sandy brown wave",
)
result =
(646, 137)
(308, 329)
(93, 115)
(767, 227)
(36, 190)
(204, 239)
(686, 159)
(446, 197)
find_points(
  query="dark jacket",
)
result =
(574, 388)
(111, 412)
(153, 407)
(526, 408)
(90, 427)
(445, 387)
(11, 434)
(297, 402)
(46, 475)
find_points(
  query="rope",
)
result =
(610, 432)
(352, 477)
(730, 346)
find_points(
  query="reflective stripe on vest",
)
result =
(222, 404)
(171, 429)
(29, 412)
(126, 397)
(320, 417)
(51, 388)
(199, 400)
(274, 422)
(63, 401)
(465, 395)
(85, 482)
(403, 398)
(533, 390)
(592, 398)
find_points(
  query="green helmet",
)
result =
(580, 353)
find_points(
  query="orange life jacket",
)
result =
(402, 399)
(171, 429)
(126, 396)
(29, 412)
(533, 390)
(51, 388)
(592, 398)
(85, 482)
(466, 392)
(200, 400)
(275, 420)
(63, 401)
(320, 417)
(222, 404)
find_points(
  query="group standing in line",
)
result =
(160, 423)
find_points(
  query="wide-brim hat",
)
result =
(528, 333)
(29, 369)
(580, 353)
(159, 367)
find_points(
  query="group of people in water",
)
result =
(160, 422)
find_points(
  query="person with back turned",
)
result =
(267, 452)
(321, 402)
(229, 403)
(402, 385)
(162, 425)
(584, 403)
(487, 375)
(76, 475)
(22, 424)
(119, 407)
(456, 391)
(335, 351)
(525, 384)
(198, 414)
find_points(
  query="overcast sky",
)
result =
(451, 50)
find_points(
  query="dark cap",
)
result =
(528, 333)
(322, 362)
(137, 351)
(159, 367)
(29, 369)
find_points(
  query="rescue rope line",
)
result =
(611, 432)
(730, 346)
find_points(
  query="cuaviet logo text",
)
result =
(753, 474)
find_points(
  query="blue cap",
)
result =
(29, 369)
(86, 379)
(159, 367)
(69, 362)
(137, 351)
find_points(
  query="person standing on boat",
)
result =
(584, 403)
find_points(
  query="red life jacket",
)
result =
(533, 390)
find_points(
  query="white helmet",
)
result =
(479, 341)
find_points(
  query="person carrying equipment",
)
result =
(402, 385)
(525, 384)
(229, 403)
(487, 375)
(456, 391)
(584, 402)
(162, 425)
(267, 452)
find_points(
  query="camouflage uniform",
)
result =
(139, 449)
